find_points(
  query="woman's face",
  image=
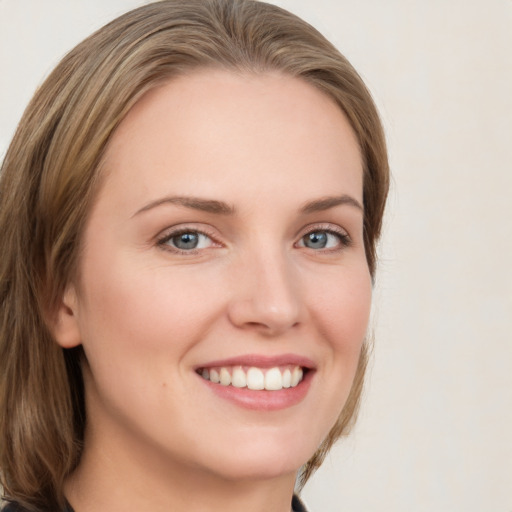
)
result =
(226, 243)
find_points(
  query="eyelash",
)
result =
(163, 241)
(344, 239)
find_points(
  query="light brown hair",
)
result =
(51, 173)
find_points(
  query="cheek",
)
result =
(140, 311)
(342, 307)
(342, 312)
(139, 326)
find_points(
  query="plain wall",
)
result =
(435, 431)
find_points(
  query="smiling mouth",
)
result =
(254, 378)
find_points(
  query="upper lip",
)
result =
(261, 361)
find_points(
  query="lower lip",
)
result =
(263, 400)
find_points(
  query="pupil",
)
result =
(186, 241)
(316, 240)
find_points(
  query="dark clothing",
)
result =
(14, 507)
(297, 506)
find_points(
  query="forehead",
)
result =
(212, 128)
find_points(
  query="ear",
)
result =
(64, 324)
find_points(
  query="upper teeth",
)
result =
(271, 379)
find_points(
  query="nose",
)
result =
(266, 296)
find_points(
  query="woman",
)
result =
(189, 209)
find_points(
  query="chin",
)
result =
(263, 459)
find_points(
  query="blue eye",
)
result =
(323, 239)
(316, 240)
(187, 240)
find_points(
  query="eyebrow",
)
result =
(326, 203)
(222, 208)
(195, 203)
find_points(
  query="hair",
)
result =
(50, 175)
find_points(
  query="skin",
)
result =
(148, 314)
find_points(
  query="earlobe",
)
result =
(64, 326)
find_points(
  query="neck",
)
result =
(114, 478)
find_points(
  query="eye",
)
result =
(186, 240)
(321, 239)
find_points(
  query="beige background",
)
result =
(435, 433)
